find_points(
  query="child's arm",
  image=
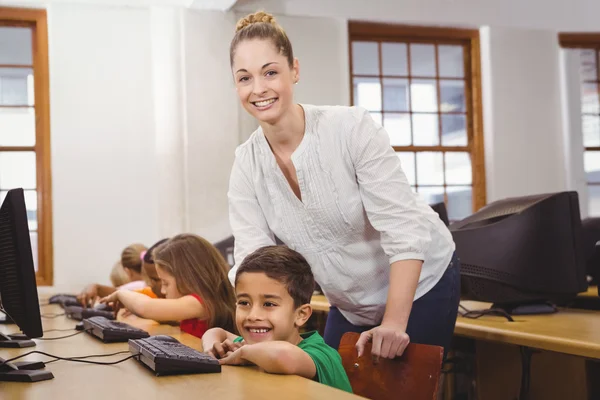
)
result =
(217, 342)
(92, 292)
(274, 357)
(185, 307)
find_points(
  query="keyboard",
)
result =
(112, 331)
(164, 355)
(64, 300)
(79, 313)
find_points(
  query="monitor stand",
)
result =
(527, 308)
(17, 340)
(26, 371)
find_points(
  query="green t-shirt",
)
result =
(328, 362)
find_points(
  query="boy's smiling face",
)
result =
(266, 311)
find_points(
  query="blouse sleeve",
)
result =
(388, 199)
(248, 223)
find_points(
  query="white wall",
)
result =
(211, 121)
(522, 112)
(102, 131)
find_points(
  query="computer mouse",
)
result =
(164, 338)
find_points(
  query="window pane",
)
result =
(367, 93)
(16, 86)
(395, 94)
(394, 59)
(589, 98)
(451, 61)
(17, 127)
(31, 206)
(426, 130)
(430, 168)
(376, 117)
(460, 202)
(33, 236)
(15, 46)
(431, 195)
(365, 58)
(591, 164)
(588, 65)
(591, 130)
(458, 169)
(17, 170)
(407, 161)
(398, 127)
(422, 60)
(452, 95)
(423, 94)
(454, 130)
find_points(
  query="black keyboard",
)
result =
(64, 300)
(79, 313)
(164, 355)
(112, 331)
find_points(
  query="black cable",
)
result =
(61, 337)
(92, 356)
(59, 330)
(474, 314)
(51, 315)
(73, 359)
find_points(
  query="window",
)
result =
(588, 46)
(422, 85)
(25, 125)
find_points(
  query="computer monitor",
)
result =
(523, 254)
(440, 209)
(591, 237)
(18, 289)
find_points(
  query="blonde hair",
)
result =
(118, 277)
(262, 25)
(199, 268)
(131, 257)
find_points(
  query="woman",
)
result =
(326, 181)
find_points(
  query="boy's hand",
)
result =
(221, 350)
(234, 358)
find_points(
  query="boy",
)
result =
(273, 289)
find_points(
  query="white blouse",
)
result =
(358, 213)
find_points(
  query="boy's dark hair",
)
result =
(286, 266)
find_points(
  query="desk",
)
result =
(131, 380)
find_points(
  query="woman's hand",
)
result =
(389, 341)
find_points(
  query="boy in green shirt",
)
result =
(273, 288)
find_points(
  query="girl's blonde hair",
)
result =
(199, 268)
(262, 25)
(131, 257)
(118, 277)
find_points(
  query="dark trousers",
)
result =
(431, 319)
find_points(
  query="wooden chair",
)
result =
(414, 376)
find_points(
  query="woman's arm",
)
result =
(274, 357)
(393, 210)
(248, 222)
(185, 307)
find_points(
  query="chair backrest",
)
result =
(415, 375)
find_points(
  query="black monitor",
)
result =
(523, 254)
(440, 209)
(591, 236)
(18, 289)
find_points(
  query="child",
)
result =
(194, 281)
(118, 277)
(131, 260)
(274, 286)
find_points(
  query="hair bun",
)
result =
(257, 17)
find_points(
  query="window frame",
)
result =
(584, 41)
(382, 32)
(36, 19)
